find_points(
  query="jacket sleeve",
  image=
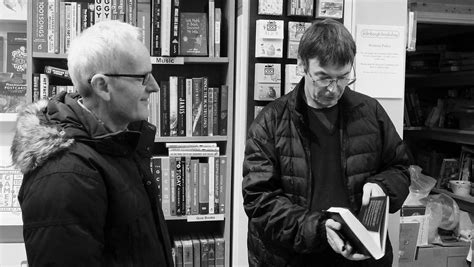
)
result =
(272, 213)
(64, 216)
(394, 177)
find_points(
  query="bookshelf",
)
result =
(219, 70)
(438, 71)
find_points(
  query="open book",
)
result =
(366, 233)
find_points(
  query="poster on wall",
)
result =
(380, 60)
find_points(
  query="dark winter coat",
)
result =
(277, 175)
(88, 197)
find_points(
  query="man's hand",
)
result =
(339, 245)
(371, 190)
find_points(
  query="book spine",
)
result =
(173, 186)
(197, 106)
(166, 188)
(210, 111)
(98, 11)
(204, 251)
(219, 251)
(181, 106)
(121, 10)
(204, 107)
(90, 14)
(203, 188)
(211, 17)
(195, 186)
(179, 186)
(55, 71)
(157, 173)
(217, 33)
(165, 27)
(51, 24)
(164, 108)
(215, 111)
(216, 185)
(156, 28)
(189, 107)
(187, 184)
(67, 26)
(36, 87)
(222, 183)
(174, 41)
(44, 85)
(84, 16)
(211, 181)
(173, 105)
(224, 91)
(40, 26)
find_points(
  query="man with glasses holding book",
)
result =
(88, 197)
(322, 145)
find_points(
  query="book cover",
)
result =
(16, 52)
(293, 75)
(270, 7)
(269, 38)
(223, 109)
(267, 81)
(330, 9)
(367, 232)
(295, 32)
(12, 92)
(205, 111)
(193, 40)
(300, 8)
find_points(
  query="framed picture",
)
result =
(329, 9)
(465, 163)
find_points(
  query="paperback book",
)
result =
(193, 35)
(366, 232)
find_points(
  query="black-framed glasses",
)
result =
(146, 77)
(340, 82)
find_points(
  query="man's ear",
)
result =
(100, 86)
(300, 64)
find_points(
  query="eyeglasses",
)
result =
(342, 82)
(146, 77)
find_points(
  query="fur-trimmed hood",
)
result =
(36, 141)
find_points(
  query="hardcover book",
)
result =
(40, 26)
(12, 92)
(269, 38)
(270, 7)
(16, 52)
(295, 32)
(330, 9)
(267, 81)
(193, 35)
(367, 232)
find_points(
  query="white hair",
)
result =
(99, 49)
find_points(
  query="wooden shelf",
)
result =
(440, 79)
(216, 138)
(465, 203)
(184, 60)
(440, 134)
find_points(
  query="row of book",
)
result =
(324, 8)
(43, 87)
(189, 107)
(269, 37)
(199, 250)
(166, 30)
(191, 180)
(267, 85)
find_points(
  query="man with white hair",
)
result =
(88, 197)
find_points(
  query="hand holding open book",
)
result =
(367, 232)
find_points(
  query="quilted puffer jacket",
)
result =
(87, 197)
(282, 230)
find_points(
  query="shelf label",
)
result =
(206, 217)
(167, 60)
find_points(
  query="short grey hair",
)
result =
(99, 49)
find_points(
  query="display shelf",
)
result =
(197, 218)
(440, 134)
